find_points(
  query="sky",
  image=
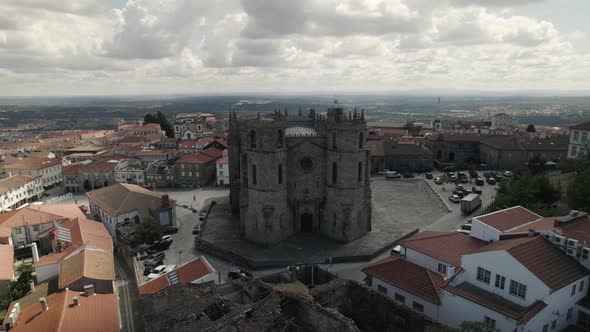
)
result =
(118, 47)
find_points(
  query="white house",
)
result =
(49, 169)
(578, 144)
(491, 226)
(130, 171)
(18, 190)
(222, 170)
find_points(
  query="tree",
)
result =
(533, 192)
(536, 164)
(578, 192)
(412, 129)
(21, 286)
(148, 231)
(531, 129)
(159, 118)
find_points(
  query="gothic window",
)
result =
(280, 174)
(280, 139)
(253, 174)
(361, 140)
(360, 172)
(334, 173)
(252, 139)
(333, 141)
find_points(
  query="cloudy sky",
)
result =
(93, 47)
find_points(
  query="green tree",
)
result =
(147, 231)
(536, 164)
(533, 192)
(531, 129)
(159, 118)
(461, 165)
(20, 286)
(412, 129)
(578, 192)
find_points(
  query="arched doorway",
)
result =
(306, 223)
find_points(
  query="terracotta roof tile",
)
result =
(88, 263)
(547, 262)
(33, 163)
(578, 229)
(508, 219)
(121, 198)
(16, 181)
(496, 302)
(408, 276)
(448, 247)
(187, 273)
(541, 225)
(30, 216)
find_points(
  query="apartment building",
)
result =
(578, 142)
(18, 190)
(49, 169)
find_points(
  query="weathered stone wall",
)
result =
(370, 310)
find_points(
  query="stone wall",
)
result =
(370, 310)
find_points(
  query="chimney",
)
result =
(44, 306)
(89, 290)
(165, 201)
(35, 252)
(450, 271)
(12, 320)
(76, 303)
(32, 285)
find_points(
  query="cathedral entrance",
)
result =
(306, 223)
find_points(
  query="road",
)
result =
(130, 316)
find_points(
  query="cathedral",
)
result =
(300, 173)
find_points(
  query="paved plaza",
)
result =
(399, 207)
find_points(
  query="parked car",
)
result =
(438, 180)
(507, 174)
(476, 190)
(479, 182)
(463, 231)
(197, 230)
(396, 250)
(466, 227)
(461, 175)
(408, 176)
(455, 198)
(393, 175)
(429, 176)
(460, 187)
(460, 193)
(170, 230)
(240, 274)
(153, 259)
(383, 172)
(453, 178)
(491, 181)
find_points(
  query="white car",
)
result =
(455, 198)
(159, 270)
(383, 172)
(393, 175)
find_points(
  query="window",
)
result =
(554, 324)
(568, 316)
(442, 268)
(36, 228)
(483, 275)
(489, 322)
(17, 231)
(574, 150)
(253, 139)
(517, 289)
(573, 290)
(417, 306)
(581, 286)
(360, 172)
(280, 174)
(253, 174)
(361, 140)
(576, 135)
(400, 298)
(280, 139)
(584, 136)
(333, 141)
(334, 173)
(382, 289)
(500, 281)
(545, 328)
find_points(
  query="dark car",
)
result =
(170, 230)
(476, 190)
(460, 187)
(153, 259)
(197, 229)
(429, 176)
(491, 181)
(479, 182)
(408, 175)
(240, 274)
(459, 193)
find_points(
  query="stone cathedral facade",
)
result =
(299, 173)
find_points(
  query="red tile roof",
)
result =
(496, 302)
(94, 313)
(187, 273)
(547, 262)
(196, 158)
(408, 276)
(578, 229)
(88, 263)
(29, 215)
(541, 225)
(213, 152)
(224, 160)
(447, 247)
(508, 219)
(33, 163)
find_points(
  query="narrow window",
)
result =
(253, 174)
(360, 172)
(500, 281)
(361, 140)
(581, 285)
(333, 141)
(280, 139)
(334, 173)
(573, 290)
(489, 322)
(253, 139)
(280, 174)
(442, 268)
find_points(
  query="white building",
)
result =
(18, 190)
(222, 170)
(503, 120)
(130, 171)
(191, 126)
(578, 144)
(520, 281)
(49, 169)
